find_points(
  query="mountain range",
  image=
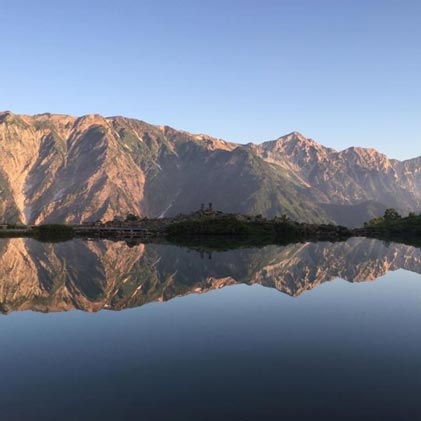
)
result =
(95, 275)
(60, 168)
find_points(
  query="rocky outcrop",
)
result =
(59, 168)
(356, 177)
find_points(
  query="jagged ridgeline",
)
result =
(59, 168)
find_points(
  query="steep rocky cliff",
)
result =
(59, 168)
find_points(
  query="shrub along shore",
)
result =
(217, 227)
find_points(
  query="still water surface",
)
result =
(101, 330)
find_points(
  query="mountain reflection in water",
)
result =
(95, 275)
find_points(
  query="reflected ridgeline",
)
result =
(95, 275)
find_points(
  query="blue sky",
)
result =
(342, 72)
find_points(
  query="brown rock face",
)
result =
(59, 168)
(354, 177)
(91, 276)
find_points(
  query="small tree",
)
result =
(131, 218)
(284, 218)
(374, 221)
(391, 214)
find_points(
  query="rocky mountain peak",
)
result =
(295, 152)
(297, 144)
(366, 157)
(5, 115)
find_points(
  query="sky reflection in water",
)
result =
(336, 351)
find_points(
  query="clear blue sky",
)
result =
(342, 72)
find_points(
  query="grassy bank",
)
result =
(393, 227)
(252, 231)
(53, 232)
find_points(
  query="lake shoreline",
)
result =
(209, 240)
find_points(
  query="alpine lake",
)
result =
(111, 330)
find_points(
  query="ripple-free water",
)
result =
(101, 330)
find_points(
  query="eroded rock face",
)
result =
(59, 168)
(350, 177)
(91, 276)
